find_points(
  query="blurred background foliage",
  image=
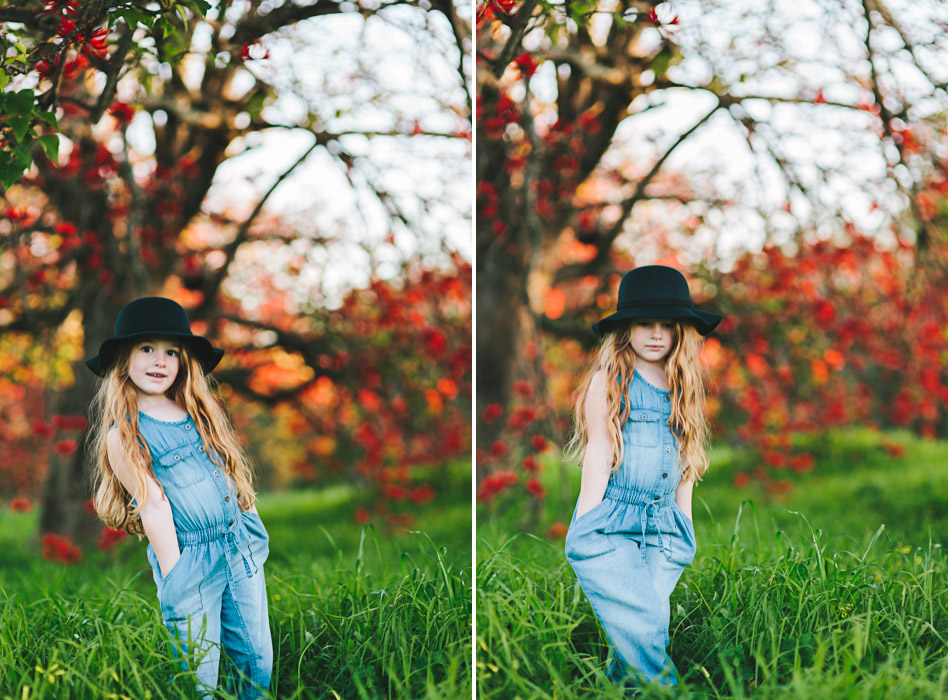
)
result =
(790, 160)
(296, 176)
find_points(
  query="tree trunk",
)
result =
(68, 486)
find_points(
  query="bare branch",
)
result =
(230, 250)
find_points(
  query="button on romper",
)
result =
(215, 595)
(629, 551)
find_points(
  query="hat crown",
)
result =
(152, 314)
(653, 284)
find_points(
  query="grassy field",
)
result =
(355, 612)
(836, 588)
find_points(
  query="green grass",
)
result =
(354, 612)
(835, 589)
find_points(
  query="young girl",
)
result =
(640, 432)
(167, 464)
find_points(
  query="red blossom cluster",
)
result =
(123, 112)
(110, 538)
(490, 10)
(495, 484)
(397, 398)
(832, 335)
(527, 446)
(60, 548)
(21, 505)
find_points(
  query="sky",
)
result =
(396, 72)
(784, 48)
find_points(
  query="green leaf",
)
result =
(13, 164)
(50, 144)
(48, 117)
(20, 103)
(4, 79)
(20, 126)
(135, 17)
(199, 5)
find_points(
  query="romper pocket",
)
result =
(259, 539)
(683, 545)
(642, 427)
(586, 537)
(174, 464)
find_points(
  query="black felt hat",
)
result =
(154, 316)
(656, 291)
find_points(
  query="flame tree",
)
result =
(141, 118)
(597, 126)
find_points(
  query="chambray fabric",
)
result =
(629, 551)
(214, 598)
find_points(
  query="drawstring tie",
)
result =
(645, 513)
(234, 544)
(234, 539)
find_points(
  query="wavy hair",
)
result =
(117, 397)
(686, 381)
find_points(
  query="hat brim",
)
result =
(207, 354)
(704, 321)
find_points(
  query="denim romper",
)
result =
(215, 595)
(629, 551)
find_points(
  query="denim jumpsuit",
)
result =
(629, 551)
(214, 596)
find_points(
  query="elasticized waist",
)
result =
(633, 496)
(218, 532)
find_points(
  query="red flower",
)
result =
(523, 389)
(122, 112)
(64, 448)
(530, 464)
(492, 412)
(21, 505)
(498, 448)
(894, 449)
(59, 548)
(536, 488)
(42, 430)
(66, 27)
(523, 417)
(435, 342)
(538, 442)
(395, 493)
(362, 516)
(495, 484)
(89, 506)
(802, 462)
(110, 538)
(422, 494)
(98, 43)
(741, 480)
(557, 529)
(526, 64)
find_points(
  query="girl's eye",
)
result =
(173, 353)
(146, 348)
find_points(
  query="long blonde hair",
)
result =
(686, 382)
(116, 397)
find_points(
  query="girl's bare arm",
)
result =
(156, 513)
(597, 462)
(683, 496)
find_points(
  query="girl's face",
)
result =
(651, 339)
(153, 365)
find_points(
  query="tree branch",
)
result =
(230, 250)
